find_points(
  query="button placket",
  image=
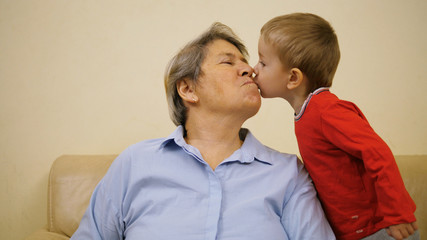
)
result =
(214, 209)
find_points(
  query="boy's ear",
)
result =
(187, 90)
(296, 78)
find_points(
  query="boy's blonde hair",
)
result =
(307, 42)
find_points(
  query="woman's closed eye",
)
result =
(227, 62)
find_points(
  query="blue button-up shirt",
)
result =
(163, 189)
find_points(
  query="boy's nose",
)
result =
(256, 69)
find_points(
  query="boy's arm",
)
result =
(347, 128)
(303, 216)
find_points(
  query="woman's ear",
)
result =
(296, 78)
(187, 90)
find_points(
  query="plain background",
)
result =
(86, 77)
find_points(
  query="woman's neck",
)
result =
(216, 140)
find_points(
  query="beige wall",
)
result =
(85, 77)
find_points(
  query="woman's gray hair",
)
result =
(187, 64)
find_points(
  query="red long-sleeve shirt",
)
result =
(353, 169)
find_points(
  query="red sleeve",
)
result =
(345, 126)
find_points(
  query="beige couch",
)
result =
(73, 178)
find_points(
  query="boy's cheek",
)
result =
(260, 87)
(263, 94)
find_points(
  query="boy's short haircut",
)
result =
(307, 42)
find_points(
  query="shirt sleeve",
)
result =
(303, 216)
(102, 219)
(345, 126)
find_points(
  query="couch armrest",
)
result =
(71, 183)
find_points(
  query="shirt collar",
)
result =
(250, 150)
(307, 100)
(177, 135)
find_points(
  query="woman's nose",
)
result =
(246, 71)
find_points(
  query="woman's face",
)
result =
(226, 85)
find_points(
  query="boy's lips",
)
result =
(255, 79)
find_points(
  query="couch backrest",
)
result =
(71, 183)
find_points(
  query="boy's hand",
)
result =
(402, 231)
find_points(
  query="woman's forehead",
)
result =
(222, 48)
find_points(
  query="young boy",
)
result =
(353, 169)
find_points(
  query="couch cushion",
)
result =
(71, 183)
(44, 234)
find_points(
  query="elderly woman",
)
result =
(210, 179)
